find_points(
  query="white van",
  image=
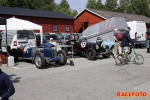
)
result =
(138, 31)
(15, 38)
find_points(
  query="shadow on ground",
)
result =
(14, 80)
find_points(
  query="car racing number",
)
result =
(83, 44)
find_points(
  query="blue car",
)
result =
(41, 55)
(110, 44)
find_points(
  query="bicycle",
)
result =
(122, 60)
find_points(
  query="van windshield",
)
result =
(24, 34)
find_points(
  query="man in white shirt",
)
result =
(55, 44)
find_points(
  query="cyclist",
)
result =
(126, 40)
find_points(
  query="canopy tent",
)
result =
(3, 23)
(18, 24)
(105, 29)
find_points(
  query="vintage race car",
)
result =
(90, 48)
(111, 46)
(41, 55)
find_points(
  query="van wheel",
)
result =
(14, 53)
(39, 60)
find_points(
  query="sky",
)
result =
(78, 5)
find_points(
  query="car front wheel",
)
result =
(107, 54)
(39, 60)
(91, 54)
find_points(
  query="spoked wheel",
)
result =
(119, 60)
(63, 57)
(138, 59)
(39, 60)
(91, 54)
(107, 54)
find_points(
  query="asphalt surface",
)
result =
(87, 80)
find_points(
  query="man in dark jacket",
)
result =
(6, 87)
(126, 40)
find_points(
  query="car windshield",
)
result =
(23, 34)
(65, 37)
(54, 37)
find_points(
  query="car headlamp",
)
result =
(72, 43)
(97, 46)
(104, 45)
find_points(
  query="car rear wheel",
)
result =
(63, 57)
(39, 60)
(66, 50)
(91, 54)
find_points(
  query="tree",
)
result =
(99, 5)
(123, 6)
(48, 5)
(64, 7)
(111, 5)
(73, 13)
(91, 4)
(30, 4)
(140, 7)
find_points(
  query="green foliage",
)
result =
(111, 5)
(91, 4)
(64, 7)
(140, 7)
(48, 5)
(99, 5)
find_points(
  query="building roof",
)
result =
(32, 13)
(109, 14)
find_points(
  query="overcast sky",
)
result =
(78, 5)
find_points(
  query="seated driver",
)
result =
(55, 44)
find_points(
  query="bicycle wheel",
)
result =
(138, 59)
(129, 58)
(119, 60)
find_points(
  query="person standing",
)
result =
(148, 41)
(6, 86)
(117, 48)
(126, 40)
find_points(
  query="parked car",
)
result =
(64, 37)
(111, 46)
(90, 48)
(42, 55)
(46, 38)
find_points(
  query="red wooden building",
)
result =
(55, 22)
(90, 17)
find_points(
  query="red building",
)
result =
(90, 17)
(55, 22)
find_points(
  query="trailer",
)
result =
(105, 29)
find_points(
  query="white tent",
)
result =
(17, 24)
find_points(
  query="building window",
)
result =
(67, 28)
(55, 28)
